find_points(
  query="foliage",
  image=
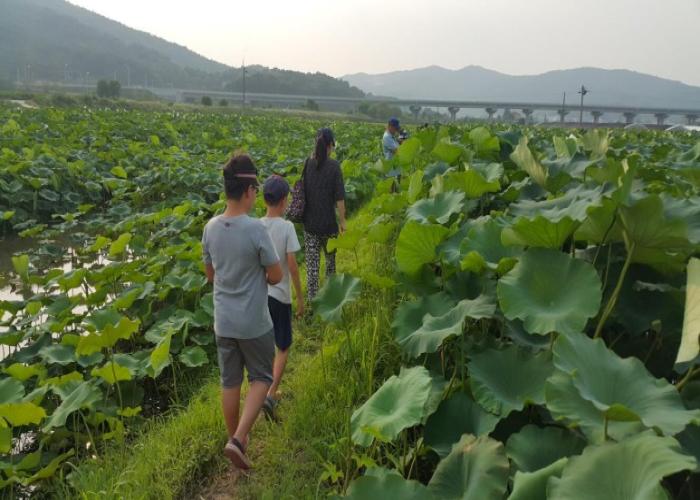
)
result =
(108, 89)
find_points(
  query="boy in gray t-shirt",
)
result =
(240, 261)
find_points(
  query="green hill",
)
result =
(55, 41)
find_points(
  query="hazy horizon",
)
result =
(361, 37)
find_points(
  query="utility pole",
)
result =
(128, 76)
(563, 108)
(244, 72)
(583, 92)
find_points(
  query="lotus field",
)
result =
(546, 284)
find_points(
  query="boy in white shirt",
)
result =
(284, 239)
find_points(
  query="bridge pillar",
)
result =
(453, 110)
(629, 117)
(415, 110)
(528, 114)
(660, 118)
(596, 116)
(691, 118)
(562, 114)
(491, 112)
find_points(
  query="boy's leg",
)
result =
(278, 371)
(230, 404)
(230, 360)
(258, 354)
(281, 314)
(313, 263)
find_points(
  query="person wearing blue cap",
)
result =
(284, 239)
(390, 143)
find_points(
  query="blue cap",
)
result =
(394, 122)
(275, 188)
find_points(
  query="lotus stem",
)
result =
(687, 377)
(616, 292)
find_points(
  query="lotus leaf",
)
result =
(534, 448)
(417, 244)
(339, 290)
(438, 209)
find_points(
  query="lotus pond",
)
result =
(547, 285)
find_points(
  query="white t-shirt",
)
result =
(284, 239)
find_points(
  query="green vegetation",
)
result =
(206, 100)
(515, 314)
(542, 324)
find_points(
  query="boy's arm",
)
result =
(209, 270)
(294, 273)
(274, 273)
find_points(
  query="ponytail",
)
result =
(324, 138)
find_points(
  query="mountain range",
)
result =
(54, 40)
(475, 83)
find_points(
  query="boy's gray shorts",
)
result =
(256, 355)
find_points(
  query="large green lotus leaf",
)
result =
(447, 152)
(112, 373)
(687, 209)
(58, 353)
(409, 315)
(539, 232)
(475, 469)
(622, 389)
(339, 290)
(550, 292)
(346, 241)
(436, 329)
(690, 347)
(382, 484)
(20, 263)
(475, 182)
(503, 380)
(22, 413)
(522, 157)
(533, 448)
(398, 404)
(631, 469)
(533, 485)
(457, 415)
(646, 226)
(417, 244)
(690, 440)
(438, 209)
(596, 141)
(573, 204)
(83, 395)
(449, 250)
(11, 390)
(108, 337)
(160, 356)
(600, 225)
(193, 356)
(408, 151)
(549, 223)
(483, 141)
(484, 238)
(566, 404)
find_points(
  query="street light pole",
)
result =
(244, 72)
(583, 93)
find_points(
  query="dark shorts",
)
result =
(281, 314)
(255, 355)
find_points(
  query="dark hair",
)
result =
(239, 174)
(324, 138)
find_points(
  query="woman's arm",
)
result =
(341, 213)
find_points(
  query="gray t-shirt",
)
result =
(239, 248)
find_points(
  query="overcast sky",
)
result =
(660, 37)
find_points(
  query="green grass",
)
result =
(330, 372)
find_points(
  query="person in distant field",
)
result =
(284, 238)
(325, 192)
(390, 141)
(240, 260)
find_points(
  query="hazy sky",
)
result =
(660, 37)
